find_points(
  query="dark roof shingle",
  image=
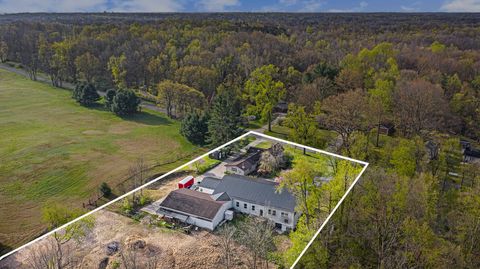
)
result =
(192, 203)
(256, 190)
(249, 161)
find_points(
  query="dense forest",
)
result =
(417, 206)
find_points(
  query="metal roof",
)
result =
(256, 190)
(209, 182)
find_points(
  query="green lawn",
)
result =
(279, 131)
(53, 150)
(317, 160)
(203, 165)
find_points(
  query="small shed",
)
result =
(386, 129)
(186, 183)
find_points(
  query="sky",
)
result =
(14, 6)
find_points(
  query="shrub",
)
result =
(127, 206)
(144, 200)
(109, 95)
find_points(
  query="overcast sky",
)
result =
(11, 6)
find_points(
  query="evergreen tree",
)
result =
(125, 102)
(195, 127)
(85, 94)
(109, 98)
(225, 120)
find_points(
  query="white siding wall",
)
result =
(221, 213)
(277, 218)
(205, 190)
(201, 223)
(206, 224)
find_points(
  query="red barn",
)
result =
(186, 182)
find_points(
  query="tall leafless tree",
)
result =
(226, 241)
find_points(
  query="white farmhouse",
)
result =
(260, 197)
(209, 205)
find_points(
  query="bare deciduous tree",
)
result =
(226, 240)
(138, 174)
(418, 105)
(47, 254)
(345, 114)
(257, 235)
(56, 252)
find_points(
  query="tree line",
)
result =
(183, 64)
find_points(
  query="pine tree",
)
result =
(195, 127)
(225, 118)
(85, 94)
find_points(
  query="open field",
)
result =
(53, 150)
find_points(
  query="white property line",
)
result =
(192, 161)
(365, 165)
(329, 216)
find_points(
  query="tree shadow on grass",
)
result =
(144, 117)
(98, 107)
(4, 249)
(147, 118)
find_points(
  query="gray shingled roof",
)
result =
(209, 182)
(192, 202)
(256, 190)
(248, 161)
(222, 196)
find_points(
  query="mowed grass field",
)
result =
(53, 150)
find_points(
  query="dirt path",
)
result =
(66, 85)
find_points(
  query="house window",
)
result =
(253, 207)
(238, 204)
(283, 214)
(269, 212)
(234, 169)
(286, 220)
(274, 212)
(245, 206)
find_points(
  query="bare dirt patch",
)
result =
(92, 132)
(167, 248)
(120, 128)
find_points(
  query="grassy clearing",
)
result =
(203, 165)
(317, 160)
(279, 131)
(264, 145)
(254, 124)
(53, 150)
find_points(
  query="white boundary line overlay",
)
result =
(199, 158)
